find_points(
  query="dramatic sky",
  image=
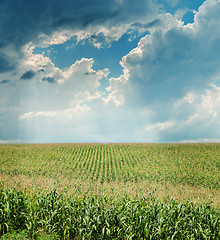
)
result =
(109, 71)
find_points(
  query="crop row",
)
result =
(186, 164)
(105, 218)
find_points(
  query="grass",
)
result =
(127, 191)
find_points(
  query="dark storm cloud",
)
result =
(5, 65)
(2, 44)
(5, 81)
(147, 25)
(90, 73)
(49, 79)
(90, 18)
(22, 21)
(28, 75)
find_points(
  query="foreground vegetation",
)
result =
(95, 217)
(110, 191)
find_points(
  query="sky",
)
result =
(109, 71)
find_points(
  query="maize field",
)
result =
(110, 191)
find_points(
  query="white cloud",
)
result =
(177, 54)
(172, 72)
(66, 114)
(79, 78)
(11, 141)
(116, 95)
(190, 97)
(181, 12)
(173, 2)
(160, 126)
(52, 98)
(168, 86)
(192, 119)
(55, 39)
(202, 140)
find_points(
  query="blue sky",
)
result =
(109, 71)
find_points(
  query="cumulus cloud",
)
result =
(168, 90)
(51, 98)
(70, 86)
(174, 64)
(26, 24)
(171, 62)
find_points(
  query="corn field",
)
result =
(110, 191)
(105, 218)
(189, 164)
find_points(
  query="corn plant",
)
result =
(102, 217)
